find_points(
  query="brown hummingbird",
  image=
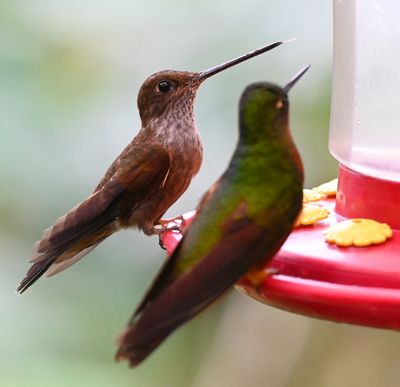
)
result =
(150, 174)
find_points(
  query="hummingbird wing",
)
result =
(168, 271)
(135, 179)
(178, 295)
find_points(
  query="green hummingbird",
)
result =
(241, 223)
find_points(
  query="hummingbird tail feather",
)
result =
(63, 256)
(139, 340)
(135, 355)
(57, 267)
(36, 271)
(72, 225)
(73, 235)
(60, 249)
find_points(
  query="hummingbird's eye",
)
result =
(164, 86)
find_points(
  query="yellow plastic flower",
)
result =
(327, 189)
(311, 213)
(310, 195)
(358, 232)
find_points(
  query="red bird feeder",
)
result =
(342, 261)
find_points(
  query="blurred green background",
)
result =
(69, 75)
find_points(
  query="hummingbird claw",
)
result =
(177, 219)
(256, 276)
(165, 225)
(165, 229)
(160, 242)
(182, 219)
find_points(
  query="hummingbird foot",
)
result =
(257, 276)
(171, 224)
(180, 220)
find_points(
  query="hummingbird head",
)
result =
(264, 110)
(166, 92)
(169, 95)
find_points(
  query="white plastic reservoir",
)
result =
(365, 113)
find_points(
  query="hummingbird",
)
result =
(240, 224)
(150, 174)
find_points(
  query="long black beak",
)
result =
(294, 80)
(215, 70)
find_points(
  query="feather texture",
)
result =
(87, 224)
